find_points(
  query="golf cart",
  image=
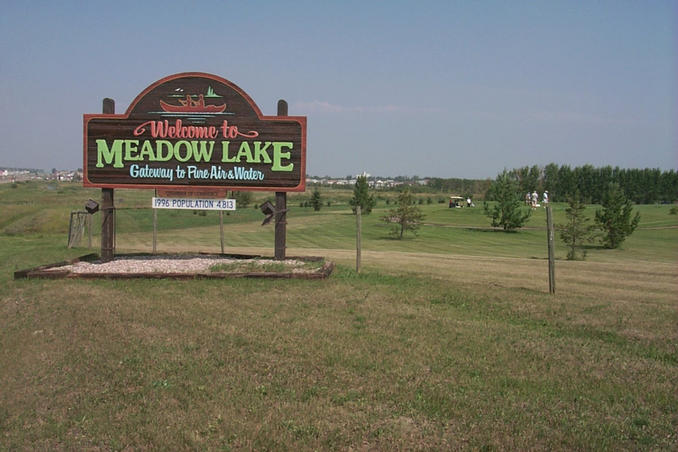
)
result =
(456, 202)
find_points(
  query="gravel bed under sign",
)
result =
(171, 264)
(182, 266)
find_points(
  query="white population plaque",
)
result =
(194, 203)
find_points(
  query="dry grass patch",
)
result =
(372, 361)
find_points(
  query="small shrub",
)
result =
(507, 212)
(576, 231)
(316, 200)
(242, 198)
(674, 210)
(406, 217)
(362, 197)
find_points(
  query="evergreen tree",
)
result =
(577, 230)
(551, 180)
(316, 201)
(507, 212)
(583, 182)
(533, 177)
(614, 219)
(362, 196)
(521, 175)
(603, 178)
(566, 185)
(669, 186)
(407, 216)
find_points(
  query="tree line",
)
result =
(642, 186)
(463, 187)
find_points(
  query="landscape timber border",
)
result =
(49, 271)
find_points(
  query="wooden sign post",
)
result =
(108, 206)
(281, 207)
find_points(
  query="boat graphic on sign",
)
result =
(189, 105)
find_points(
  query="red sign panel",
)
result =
(195, 131)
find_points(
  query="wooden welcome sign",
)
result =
(195, 131)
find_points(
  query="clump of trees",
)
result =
(362, 196)
(508, 211)
(615, 220)
(406, 216)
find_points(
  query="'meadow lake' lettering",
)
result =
(119, 152)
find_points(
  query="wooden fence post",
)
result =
(549, 236)
(89, 230)
(221, 230)
(70, 231)
(155, 229)
(358, 238)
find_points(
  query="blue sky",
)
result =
(428, 88)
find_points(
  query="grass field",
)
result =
(447, 340)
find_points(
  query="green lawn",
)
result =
(448, 340)
(457, 231)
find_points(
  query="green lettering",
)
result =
(224, 152)
(159, 156)
(278, 155)
(109, 155)
(244, 151)
(200, 151)
(130, 149)
(260, 152)
(177, 151)
(147, 151)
